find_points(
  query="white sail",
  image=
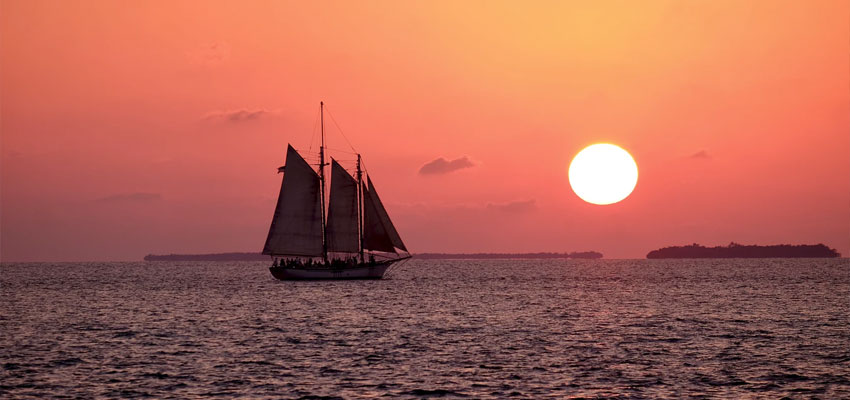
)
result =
(379, 232)
(296, 227)
(342, 227)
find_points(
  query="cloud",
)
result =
(517, 206)
(210, 53)
(514, 207)
(138, 197)
(442, 166)
(12, 155)
(236, 116)
(702, 154)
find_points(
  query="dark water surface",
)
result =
(478, 329)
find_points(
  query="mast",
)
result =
(322, 182)
(360, 206)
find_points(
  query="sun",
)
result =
(603, 174)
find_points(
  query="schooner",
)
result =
(352, 238)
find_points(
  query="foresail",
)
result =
(296, 227)
(342, 228)
(375, 237)
(385, 218)
(379, 232)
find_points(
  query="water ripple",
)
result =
(615, 329)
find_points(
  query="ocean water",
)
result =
(436, 328)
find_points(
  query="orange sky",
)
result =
(158, 127)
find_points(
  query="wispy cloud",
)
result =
(702, 154)
(14, 154)
(138, 197)
(236, 116)
(482, 209)
(210, 53)
(514, 207)
(442, 166)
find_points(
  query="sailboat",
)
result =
(352, 238)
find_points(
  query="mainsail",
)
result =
(342, 227)
(378, 231)
(296, 227)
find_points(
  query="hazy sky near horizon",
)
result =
(129, 128)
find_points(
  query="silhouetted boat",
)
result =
(356, 240)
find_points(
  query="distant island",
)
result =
(492, 256)
(426, 256)
(735, 250)
(208, 257)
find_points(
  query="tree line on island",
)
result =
(426, 256)
(479, 256)
(736, 250)
(208, 257)
(733, 250)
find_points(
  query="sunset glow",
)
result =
(158, 128)
(425, 198)
(603, 174)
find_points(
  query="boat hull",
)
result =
(360, 271)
